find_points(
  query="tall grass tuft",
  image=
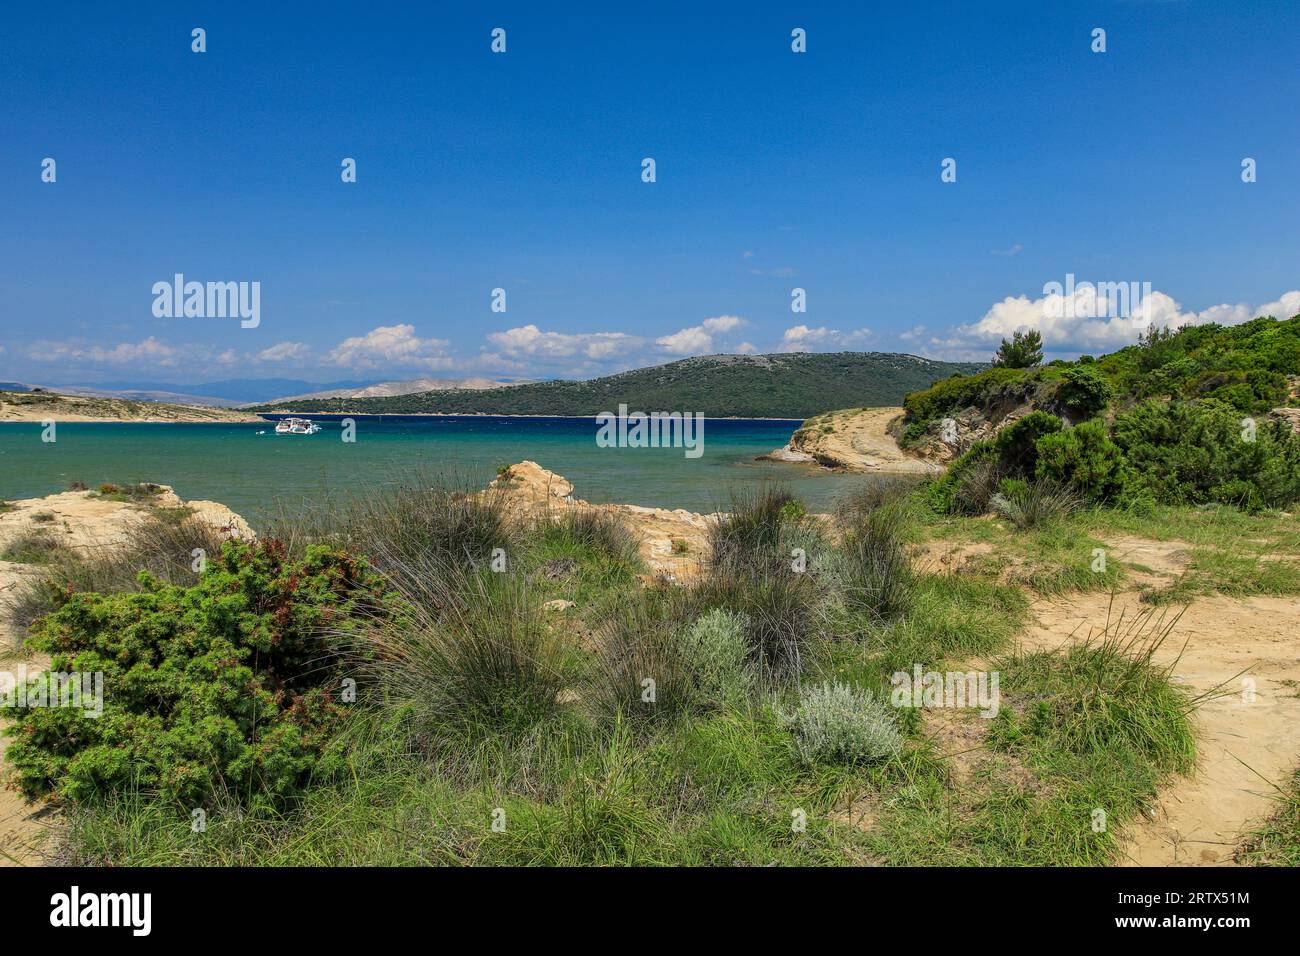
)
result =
(874, 574)
(1034, 503)
(880, 490)
(471, 657)
(601, 533)
(977, 487)
(640, 673)
(420, 522)
(1107, 695)
(757, 524)
(781, 610)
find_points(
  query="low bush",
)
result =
(230, 685)
(839, 724)
(1017, 443)
(714, 645)
(1084, 392)
(1199, 452)
(1085, 459)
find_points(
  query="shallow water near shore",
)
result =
(233, 464)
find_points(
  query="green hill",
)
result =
(785, 385)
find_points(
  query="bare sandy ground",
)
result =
(76, 408)
(860, 442)
(1245, 652)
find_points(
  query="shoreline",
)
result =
(707, 418)
(262, 418)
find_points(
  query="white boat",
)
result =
(296, 426)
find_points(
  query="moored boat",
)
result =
(296, 426)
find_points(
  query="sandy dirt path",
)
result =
(1248, 738)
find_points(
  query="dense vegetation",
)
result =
(743, 716)
(794, 385)
(229, 685)
(1181, 418)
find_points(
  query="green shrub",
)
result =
(839, 724)
(963, 391)
(225, 685)
(1084, 392)
(1198, 452)
(1085, 459)
(1017, 443)
(714, 646)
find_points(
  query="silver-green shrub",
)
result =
(838, 723)
(714, 646)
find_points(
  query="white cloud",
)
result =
(284, 352)
(699, 339)
(1084, 323)
(1013, 250)
(529, 340)
(801, 338)
(150, 351)
(388, 346)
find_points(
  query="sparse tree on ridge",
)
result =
(1025, 350)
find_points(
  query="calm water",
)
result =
(233, 464)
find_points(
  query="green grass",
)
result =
(487, 708)
(1214, 571)
(1276, 842)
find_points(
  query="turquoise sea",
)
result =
(235, 465)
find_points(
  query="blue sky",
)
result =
(522, 171)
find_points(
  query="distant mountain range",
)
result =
(390, 389)
(231, 393)
(781, 385)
